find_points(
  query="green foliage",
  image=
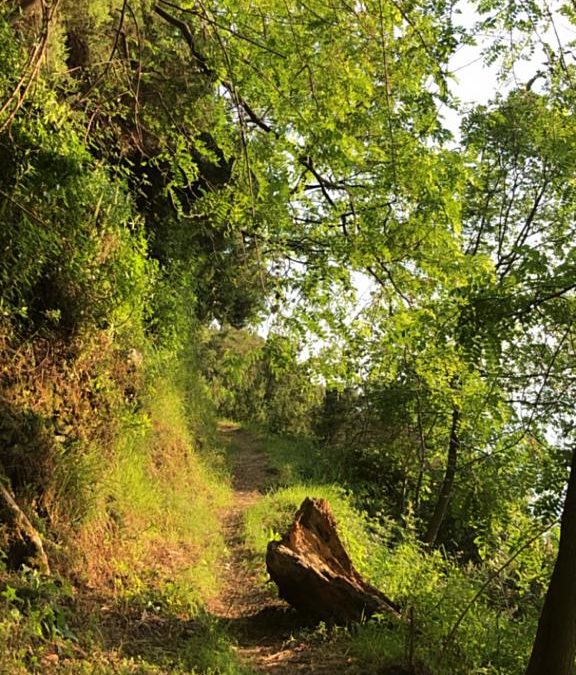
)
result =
(260, 381)
(294, 458)
(157, 483)
(165, 166)
(436, 590)
(459, 617)
(43, 618)
(35, 613)
(10, 56)
(39, 605)
(146, 534)
(74, 252)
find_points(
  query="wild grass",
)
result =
(159, 498)
(295, 458)
(431, 587)
(47, 626)
(148, 547)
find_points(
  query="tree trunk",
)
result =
(314, 573)
(554, 647)
(447, 484)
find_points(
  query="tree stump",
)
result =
(314, 573)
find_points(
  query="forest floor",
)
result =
(270, 636)
(144, 622)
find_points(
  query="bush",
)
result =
(73, 251)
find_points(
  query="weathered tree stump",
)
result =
(314, 573)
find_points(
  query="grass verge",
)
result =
(130, 599)
(431, 587)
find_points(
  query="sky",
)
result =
(476, 82)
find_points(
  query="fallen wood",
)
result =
(25, 545)
(314, 573)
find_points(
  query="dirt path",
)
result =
(264, 627)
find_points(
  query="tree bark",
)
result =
(554, 648)
(447, 484)
(314, 573)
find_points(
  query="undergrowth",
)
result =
(160, 486)
(451, 612)
(129, 593)
(107, 433)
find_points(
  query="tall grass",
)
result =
(433, 589)
(160, 496)
(148, 546)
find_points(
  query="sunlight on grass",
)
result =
(272, 516)
(164, 496)
(152, 545)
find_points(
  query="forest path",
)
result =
(264, 627)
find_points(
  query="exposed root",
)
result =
(25, 542)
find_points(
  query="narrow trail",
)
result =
(264, 627)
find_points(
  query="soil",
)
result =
(271, 636)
